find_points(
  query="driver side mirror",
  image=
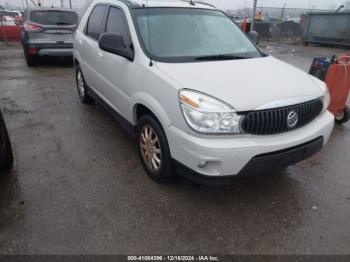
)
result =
(254, 36)
(114, 43)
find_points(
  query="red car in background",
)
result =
(18, 16)
(10, 30)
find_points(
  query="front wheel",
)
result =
(154, 150)
(343, 116)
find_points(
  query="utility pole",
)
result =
(282, 12)
(252, 22)
(282, 16)
(70, 3)
(62, 3)
(312, 9)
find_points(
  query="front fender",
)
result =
(152, 104)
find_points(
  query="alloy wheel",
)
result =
(150, 148)
(81, 86)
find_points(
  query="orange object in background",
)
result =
(244, 25)
(338, 82)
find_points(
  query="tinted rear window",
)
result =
(54, 17)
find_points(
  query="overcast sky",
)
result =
(226, 4)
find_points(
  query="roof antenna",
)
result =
(192, 3)
(149, 35)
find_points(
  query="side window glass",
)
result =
(117, 23)
(96, 23)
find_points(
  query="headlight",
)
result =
(326, 100)
(208, 115)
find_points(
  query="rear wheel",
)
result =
(31, 60)
(154, 150)
(344, 116)
(82, 88)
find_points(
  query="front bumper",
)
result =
(265, 163)
(227, 156)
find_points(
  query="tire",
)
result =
(82, 87)
(162, 170)
(6, 155)
(31, 60)
(344, 116)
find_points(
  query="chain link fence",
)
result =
(276, 23)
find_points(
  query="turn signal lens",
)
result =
(326, 100)
(188, 101)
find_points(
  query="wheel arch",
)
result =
(76, 57)
(76, 61)
(143, 103)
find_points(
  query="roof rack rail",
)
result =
(133, 3)
(130, 3)
(204, 3)
(199, 2)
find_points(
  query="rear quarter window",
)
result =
(54, 17)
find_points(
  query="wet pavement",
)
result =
(78, 186)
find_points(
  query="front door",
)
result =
(117, 70)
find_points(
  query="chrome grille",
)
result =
(274, 121)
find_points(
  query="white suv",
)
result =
(200, 97)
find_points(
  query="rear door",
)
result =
(89, 49)
(12, 30)
(9, 31)
(53, 26)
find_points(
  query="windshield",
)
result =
(54, 17)
(189, 34)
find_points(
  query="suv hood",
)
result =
(244, 84)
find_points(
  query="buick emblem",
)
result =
(292, 119)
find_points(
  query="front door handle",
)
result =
(100, 55)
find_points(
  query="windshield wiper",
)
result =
(219, 57)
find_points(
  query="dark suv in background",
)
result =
(48, 32)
